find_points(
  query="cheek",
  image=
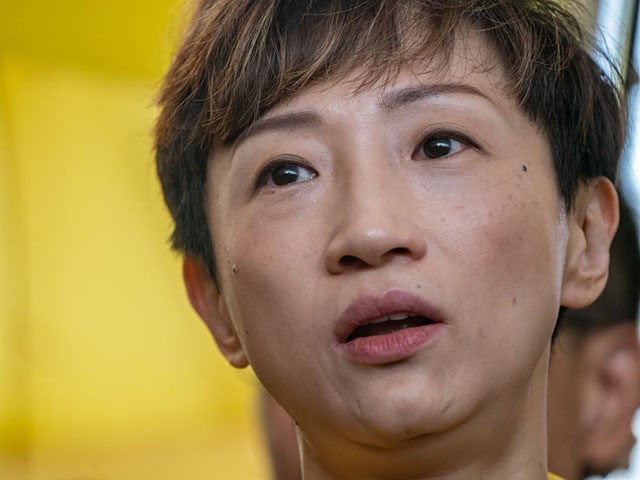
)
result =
(273, 301)
(267, 284)
(511, 261)
(516, 240)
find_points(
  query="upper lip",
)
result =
(369, 307)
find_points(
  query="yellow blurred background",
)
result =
(105, 372)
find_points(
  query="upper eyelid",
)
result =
(276, 162)
(450, 133)
(454, 133)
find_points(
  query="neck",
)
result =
(565, 440)
(505, 440)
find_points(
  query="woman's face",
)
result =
(391, 259)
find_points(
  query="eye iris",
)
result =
(437, 147)
(285, 174)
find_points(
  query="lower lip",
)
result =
(392, 347)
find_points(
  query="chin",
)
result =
(604, 469)
(401, 422)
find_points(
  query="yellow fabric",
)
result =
(105, 372)
(554, 477)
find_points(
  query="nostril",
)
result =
(355, 261)
(350, 260)
(399, 251)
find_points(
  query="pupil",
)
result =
(437, 147)
(285, 175)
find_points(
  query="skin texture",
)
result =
(479, 233)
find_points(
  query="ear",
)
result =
(611, 395)
(211, 306)
(592, 225)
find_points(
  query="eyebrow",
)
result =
(398, 98)
(286, 122)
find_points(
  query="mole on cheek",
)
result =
(234, 269)
(524, 168)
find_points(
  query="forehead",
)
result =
(471, 68)
(458, 51)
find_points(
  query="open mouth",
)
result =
(389, 324)
(383, 329)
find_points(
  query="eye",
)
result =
(282, 173)
(440, 146)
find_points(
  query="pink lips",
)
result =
(394, 345)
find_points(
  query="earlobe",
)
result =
(592, 225)
(210, 304)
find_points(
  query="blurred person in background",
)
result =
(594, 381)
(594, 378)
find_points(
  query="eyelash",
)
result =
(263, 177)
(444, 134)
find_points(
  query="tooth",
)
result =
(395, 316)
(379, 320)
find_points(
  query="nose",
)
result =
(374, 228)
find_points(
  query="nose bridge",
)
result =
(374, 200)
(372, 183)
(374, 221)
